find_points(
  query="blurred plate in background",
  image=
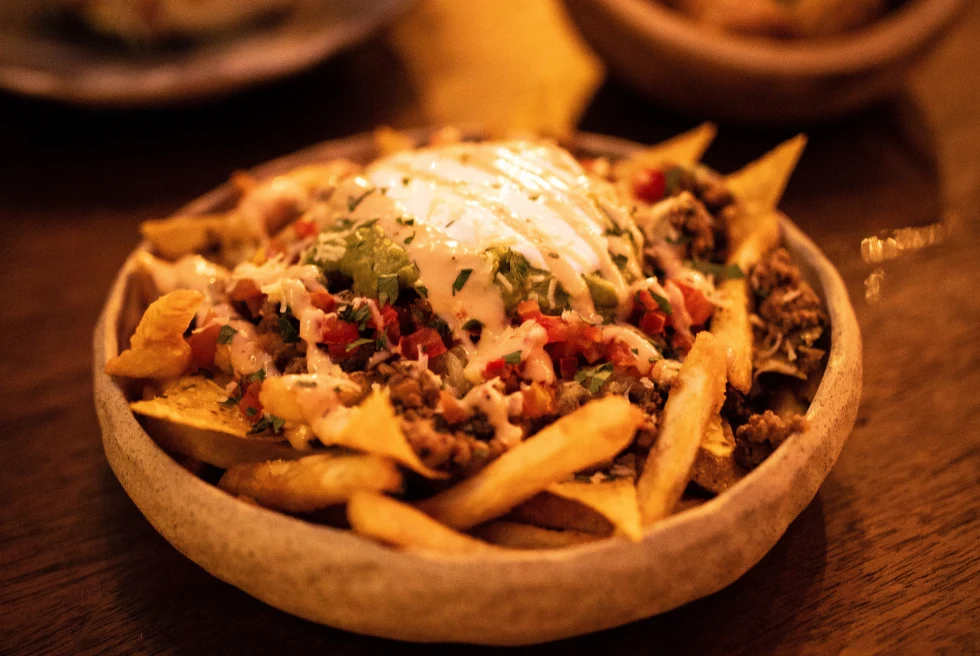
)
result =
(43, 54)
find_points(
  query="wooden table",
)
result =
(885, 559)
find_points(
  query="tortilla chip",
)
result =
(684, 149)
(311, 483)
(195, 401)
(372, 428)
(615, 500)
(759, 186)
(393, 522)
(525, 536)
(751, 237)
(184, 235)
(157, 348)
(715, 468)
(550, 511)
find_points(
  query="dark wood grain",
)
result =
(884, 560)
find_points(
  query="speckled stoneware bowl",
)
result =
(664, 55)
(509, 598)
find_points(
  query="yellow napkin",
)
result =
(508, 65)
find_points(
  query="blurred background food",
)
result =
(742, 74)
(153, 20)
(782, 18)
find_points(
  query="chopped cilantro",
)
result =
(473, 325)
(288, 331)
(359, 316)
(422, 290)
(513, 358)
(387, 289)
(257, 376)
(225, 334)
(368, 224)
(405, 222)
(381, 341)
(662, 302)
(461, 279)
(636, 351)
(410, 238)
(620, 260)
(358, 342)
(308, 384)
(720, 272)
(593, 378)
(553, 255)
(354, 201)
(614, 231)
(250, 411)
(406, 180)
(268, 422)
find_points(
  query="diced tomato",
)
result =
(250, 399)
(389, 323)
(495, 368)
(305, 228)
(323, 301)
(274, 247)
(682, 342)
(652, 323)
(568, 367)
(247, 292)
(337, 332)
(427, 338)
(644, 301)
(699, 307)
(528, 310)
(204, 344)
(556, 327)
(649, 185)
(619, 353)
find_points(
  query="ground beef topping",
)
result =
(761, 434)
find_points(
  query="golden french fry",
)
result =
(730, 324)
(715, 468)
(550, 511)
(393, 522)
(390, 141)
(183, 235)
(595, 432)
(525, 536)
(696, 396)
(157, 348)
(684, 149)
(312, 482)
(372, 427)
(615, 500)
(760, 185)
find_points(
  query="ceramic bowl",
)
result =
(509, 598)
(674, 61)
(40, 62)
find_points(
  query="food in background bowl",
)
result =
(484, 344)
(154, 20)
(782, 18)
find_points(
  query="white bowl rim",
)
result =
(802, 462)
(898, 34)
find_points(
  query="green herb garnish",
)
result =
(410, 238)
(593, 378)
(461, 279)
(287, 331)
(354, 201)
(387, 289)
(359, 316)
(226, 334)
(513, 358)
(473, 325)
(268, 422)
(256, 376)
(358, 342)
(719, 271)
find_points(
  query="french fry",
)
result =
(715, 468)
(157, 348)
(526, 536)
(183, 235)
(372, 428)
(730, 324)
(696, 396)
(684, 149)
(595, 432)
(550, 511)
(312, 482)
(615, 500)
(393, 522)
(760, 185)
